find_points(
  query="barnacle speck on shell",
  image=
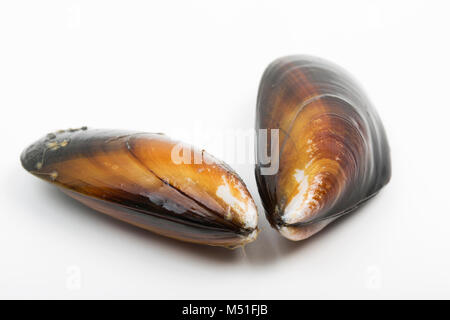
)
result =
(133, 177)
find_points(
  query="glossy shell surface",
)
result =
(333, 150)
(132, 176)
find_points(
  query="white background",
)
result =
(176, 66)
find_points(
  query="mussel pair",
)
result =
(332, 156)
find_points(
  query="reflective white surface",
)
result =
(191, 70)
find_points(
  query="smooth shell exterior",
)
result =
(131, 176)
(333, 151)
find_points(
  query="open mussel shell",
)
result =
(150, 181)
(331, 154)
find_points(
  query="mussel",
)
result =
(150, 181)
(330, 151)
